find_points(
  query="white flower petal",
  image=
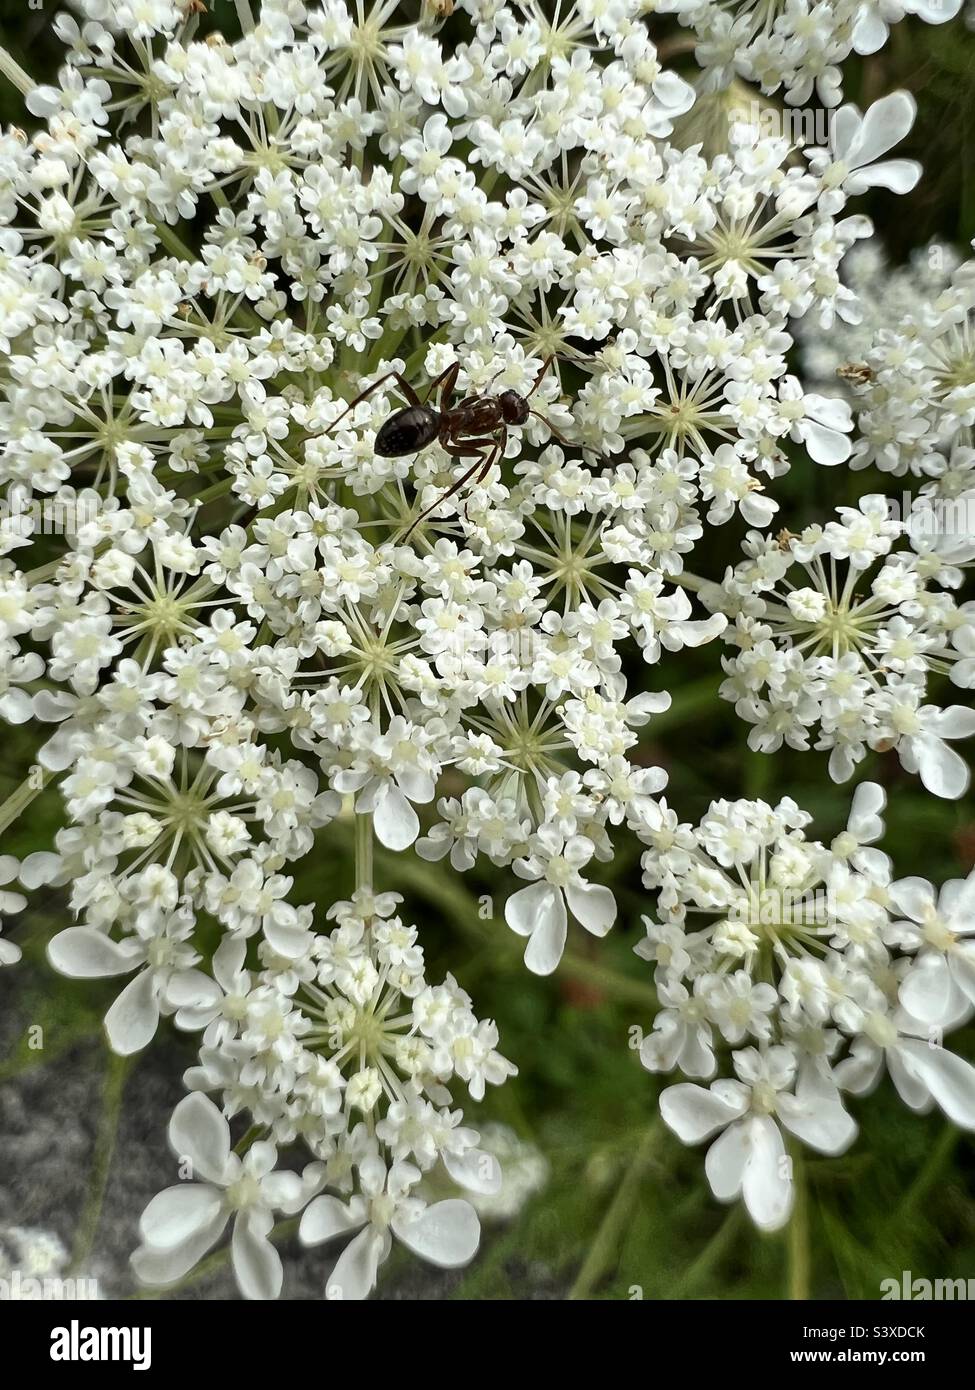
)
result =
(866, 812)
(446, 1234)
(949, 1079)
(885, 124)
(160, 1267)
(912, 1090)
(547, 941)
(395, 821)
(927, 989)
(525, 909)
(694, 1113)
(897, 175)
(725, 1161)
(962, 966)
(475, 1170)
(287, 939)
(132, 1020)
(354, 1275)
(83, 953)
(39, 868)
(257, 1265)
(326, 1217)
(198, 1132)
(592, 905)
(912, 896)
(767, 1183)
(10, 953)
(943, 771)
(815, 1114)
(179, 1213)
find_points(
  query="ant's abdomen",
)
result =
(407, 431)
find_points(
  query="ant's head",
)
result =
(514, 408)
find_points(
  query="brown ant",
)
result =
(477, 425)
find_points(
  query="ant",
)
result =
(477, 425)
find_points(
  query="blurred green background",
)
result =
(626, 1208)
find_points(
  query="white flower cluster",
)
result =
(343, 1045)
(255, 623)
(796, 44)
(35, 1266)
(909, 368)
(886, 294)
(839, 633)
(805, 971)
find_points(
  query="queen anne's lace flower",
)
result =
(838, 634)
(910, 370)
(245, 631)
(785, 955)
(796, 44)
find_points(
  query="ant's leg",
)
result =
(500, 439)
(486, 447)
(446, 381)
(492, 458)
(401, 382)
(486, 450)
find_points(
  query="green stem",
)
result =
(606, 1247)
(798, 1237)
(363, 850)
(619, 986)
(687, 580)
(686, 704)
(44, 572)
(210, 494)
(115, 1074)
(18, 801)
(173, 242)
(506, 950)
(13, 72)
(251, 1137)
(709, 1256)
(928, 1175)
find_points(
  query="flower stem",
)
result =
(605, 1248)
(87, 1229)
(938, 1157)
(251, 1137)
(799, 1253)
(688, 580)
(506, 950)
(688, 702)
(18, 801)
(13, 72)
(363, 850)
(709, 1256)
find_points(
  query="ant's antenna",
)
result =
(537, 413)
(541, 372)
(546, 421)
